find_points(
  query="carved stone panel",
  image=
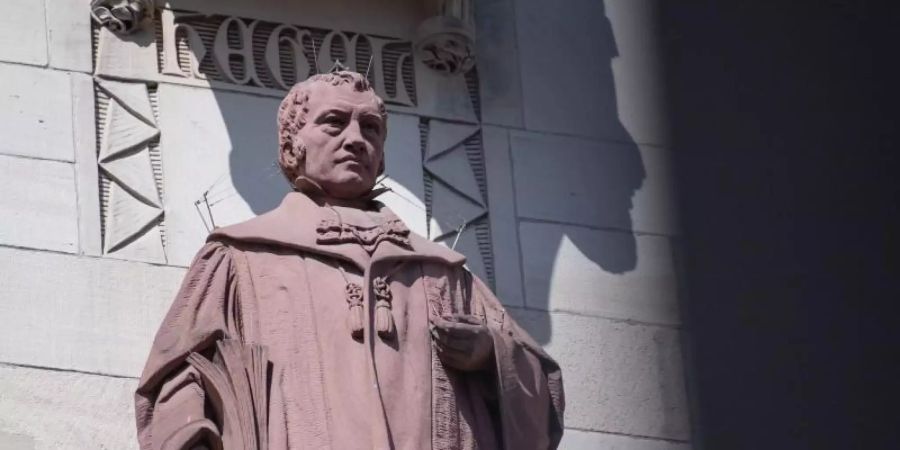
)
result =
(130, 177)
(456, 191)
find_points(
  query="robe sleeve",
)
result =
(170, 399)
(529, 382)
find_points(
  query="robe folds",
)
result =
(279, 280)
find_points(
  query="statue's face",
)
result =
(344, 138)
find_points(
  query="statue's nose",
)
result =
(353, 139)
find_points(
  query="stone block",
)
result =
(502, 216)
(588, 440)
(38, 204)
(619, 378)
(564, 58)
(69, 26)
(498, 63)
(54, 410)
(81, 313)
(23, 33)
(604, 273)
(36, 118)
(602, 63)
(593, 183)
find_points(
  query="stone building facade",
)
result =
(544, 159)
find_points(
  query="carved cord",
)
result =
(353, 293)
(384, 319)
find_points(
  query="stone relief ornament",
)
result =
(268, 55)
(446, 41)
(131, 203)
(121, 16)
(446, 44)
(456, 192)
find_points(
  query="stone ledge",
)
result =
(590, 440)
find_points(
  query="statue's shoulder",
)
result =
(247, 230)
(284, 225)
(436, 251)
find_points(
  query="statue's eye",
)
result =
(335, 121)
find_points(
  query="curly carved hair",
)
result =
(295, 106)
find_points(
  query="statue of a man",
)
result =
(374, 337)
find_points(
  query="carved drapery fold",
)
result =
(121, 16)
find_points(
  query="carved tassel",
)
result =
(355, 316)
(384, 320)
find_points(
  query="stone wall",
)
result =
(555, 157)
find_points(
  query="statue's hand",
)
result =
(463, 342)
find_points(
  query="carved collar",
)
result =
(332, 231)
(302, 224)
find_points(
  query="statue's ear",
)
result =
(291, 156)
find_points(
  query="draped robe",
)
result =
(279, 280)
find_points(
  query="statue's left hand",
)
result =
(463, 342)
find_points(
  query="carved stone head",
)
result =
(331, 132)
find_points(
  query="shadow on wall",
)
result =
(578, 181)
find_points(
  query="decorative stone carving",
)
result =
(450, 211)
(132, 205)
(455, 169)
(121, 16)
(446, 44)
(267, 55)
(456, 186)
(445, 136)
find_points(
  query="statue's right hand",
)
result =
(462, 342)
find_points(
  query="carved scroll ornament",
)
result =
(121, 16)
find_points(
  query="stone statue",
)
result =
(326, 323)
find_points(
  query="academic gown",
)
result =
(279, 280)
